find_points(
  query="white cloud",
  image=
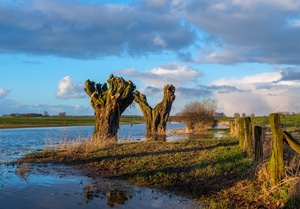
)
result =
(68, 89)
(266, 93)
(158, 41)
(172, 73)
(4, 92)
(249, 82)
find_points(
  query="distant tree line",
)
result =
(46, 114)
(283, 113)
(24, 115)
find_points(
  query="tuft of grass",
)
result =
(23, 171)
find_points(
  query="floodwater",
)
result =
(62, 188)
(53, 186)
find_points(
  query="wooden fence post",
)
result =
(236, 127)
(232, 128)
(276, 165)
(248, 129)
(241, 132)
(258, 149)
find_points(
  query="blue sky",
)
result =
(243, 53)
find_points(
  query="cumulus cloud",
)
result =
(4, 92)
(221, 31)
(261, 94)
(181, 76)
(85, 31)
(246, 31)
(290, 74)
(68, 89)
(172, 73)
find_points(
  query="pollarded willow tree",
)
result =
(109, 103)
(156, 119)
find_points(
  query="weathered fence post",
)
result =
(248, 129)
(236, 127)
(276, 165)
(232, 128)
(241, 132)
(258, 149)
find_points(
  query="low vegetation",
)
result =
(22, 122)
(214, 172)
(198, 115)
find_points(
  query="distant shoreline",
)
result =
(35, 122)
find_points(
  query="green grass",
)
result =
(289, 120)
(19, 122)
(213, 171)
(198, 168)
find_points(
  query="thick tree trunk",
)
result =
(156, 119)
(109, 104)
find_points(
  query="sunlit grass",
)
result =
(213, 171)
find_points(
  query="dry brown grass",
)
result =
(84, 145)
(288, 188)
(23, 171)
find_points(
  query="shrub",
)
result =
(198, 115)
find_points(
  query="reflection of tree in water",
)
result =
(114, 195)
(117, 197)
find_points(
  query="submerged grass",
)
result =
(215, 172)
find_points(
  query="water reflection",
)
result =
(57, 186)
(60, 187)
(116, 194)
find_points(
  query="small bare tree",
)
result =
(198, 115)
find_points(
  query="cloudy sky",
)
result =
(243, 53)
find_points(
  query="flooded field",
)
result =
(62, 188)
(56, 186)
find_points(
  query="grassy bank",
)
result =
(288, 120)
(214, 172)
(22, 122)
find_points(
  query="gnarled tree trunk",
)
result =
(156, 119)
(109, 104)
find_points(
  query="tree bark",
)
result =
(156, 119)
(109, 104)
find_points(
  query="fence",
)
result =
(251, 141)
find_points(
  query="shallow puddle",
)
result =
(63, 188)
